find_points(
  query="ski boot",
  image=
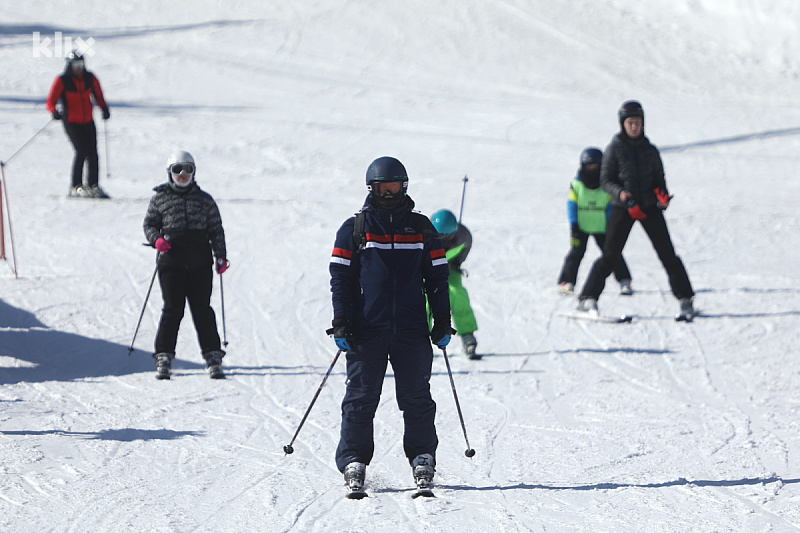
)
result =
(423, 468)
(164, 365)
(354, 475)
(686, 312)
(80, 192)
(97, 192)
(566, 288)
(470, 345)
(625, 288)
(214, 364)
(588, 306)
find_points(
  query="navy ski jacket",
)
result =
(382, 286)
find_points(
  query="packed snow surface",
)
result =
(578, 426)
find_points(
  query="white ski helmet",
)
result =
(185, 163)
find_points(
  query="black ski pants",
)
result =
(411, 356)
(619, 228)
(179, 284)
(84, 139)
(569, 271)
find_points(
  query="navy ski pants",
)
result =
(411, 356)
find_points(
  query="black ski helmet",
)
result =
(74, 56)
(590, 156)
(630, 108)
(387, 169)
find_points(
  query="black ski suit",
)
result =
(635, 165)
(192, 221)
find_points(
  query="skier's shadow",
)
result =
(680, 482)
(32, 352)
(119, 435)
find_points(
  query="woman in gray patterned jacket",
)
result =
(183, 223)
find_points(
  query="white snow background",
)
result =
(649, 426)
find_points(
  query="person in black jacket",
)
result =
(633, 174)
(385, 260)
(183, 223)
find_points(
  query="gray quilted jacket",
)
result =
(192, 221)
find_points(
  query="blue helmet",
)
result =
(445, 222)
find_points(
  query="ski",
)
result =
(686, 317)
(581, 315)
(355, 494)
(215, 372)
(423, 493)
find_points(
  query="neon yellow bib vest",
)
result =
(592, 205)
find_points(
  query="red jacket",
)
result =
(75, 94)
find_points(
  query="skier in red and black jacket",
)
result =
(77, 90)
(385, 261)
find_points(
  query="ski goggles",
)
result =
(186, 168)
(391, 187)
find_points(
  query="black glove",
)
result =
(106, 113)
(441, 332)
(57, 115)
(342, 334)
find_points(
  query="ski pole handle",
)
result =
(463, 194)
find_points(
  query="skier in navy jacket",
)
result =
(378, 287)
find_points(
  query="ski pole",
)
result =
(470, 452)
(222, 301)
(152, 279)
(105, 141)
(463, 193)
(8, 214)
(288, 448)
(29, 141)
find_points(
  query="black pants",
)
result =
(569, 272)
(179, 284)
(619, 227)
(84, 140)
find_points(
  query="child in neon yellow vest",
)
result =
(588, 208)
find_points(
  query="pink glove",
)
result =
(163, 245)
(222, 265)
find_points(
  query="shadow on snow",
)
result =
(44, 354)
(120, 435)
(680, 482)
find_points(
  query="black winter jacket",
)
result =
(191, 219)
(633, 165)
